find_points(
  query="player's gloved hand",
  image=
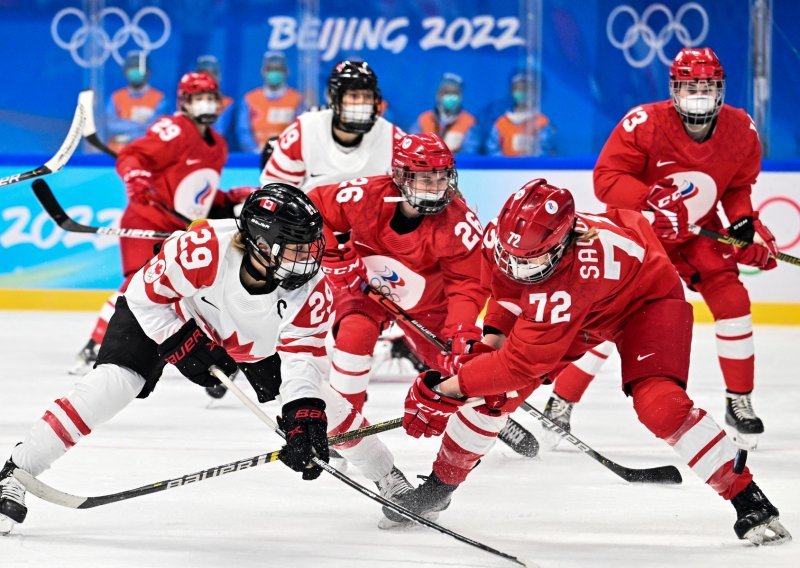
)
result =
(475, 349)
(426, 411)
(239, 194)
(668, 214)
(139, 186)
(345, 270)
(762, 251)
(306, 428)
(462, 337)
(192, 352)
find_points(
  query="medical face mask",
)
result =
(204, 111)
(274, 78)
(135, 76)
(450, 102)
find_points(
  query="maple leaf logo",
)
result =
(239, 351)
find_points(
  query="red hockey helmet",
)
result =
(195, 83)
(424, 169)
(534, 229)
(697, 85)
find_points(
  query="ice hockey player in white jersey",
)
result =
(346, 141)
(243, 293)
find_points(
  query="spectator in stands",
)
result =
(522, 131)
(267, 110)
(210, 64)
(132, 109)
(457, 127)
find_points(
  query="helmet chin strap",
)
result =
(267, 281)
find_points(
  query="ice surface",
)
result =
(559, 510)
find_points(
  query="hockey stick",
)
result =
(68, 147)
(667, 474)
(348, 481)
(513, 434)
(90, 132)
(45, 196)
(53, 495)
(719, 237)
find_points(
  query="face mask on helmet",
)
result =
(529, 269)
(429, 192)
(203, 111)
(697, 102)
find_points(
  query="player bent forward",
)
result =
(561, 282)
(225, 293)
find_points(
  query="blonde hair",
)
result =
(589, 235)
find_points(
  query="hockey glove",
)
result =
(426, 411)
(668, 214)
(462, 338)
(139, 186)
(306, 428)
(762, 251)
(345, 270)
(192, 352)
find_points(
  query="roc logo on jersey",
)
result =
(699, 191)
(390, 276)
(195, 193)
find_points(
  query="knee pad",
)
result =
(725, 295)
(661, 404)
(357, 333)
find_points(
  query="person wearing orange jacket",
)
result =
(457, 127)
(521, 131)
(267, 110)
(133, 108)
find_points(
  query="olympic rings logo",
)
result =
(640, 31)
(99, 43)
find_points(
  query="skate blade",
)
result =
(747, 442)
(6, 525)
(772, 533)
(550, 439)
(386, 523)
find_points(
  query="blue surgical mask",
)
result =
(135, 76)
(520, 97)
(274, 78)
(450, 101)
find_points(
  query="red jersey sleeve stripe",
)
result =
(59, 429)
(73, 415)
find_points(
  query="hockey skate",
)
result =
(519, 439)
(758, 519)
(392, 486)
(86, 359)
(744, 425)
(12, 499)
(559, 411)
(427, 500)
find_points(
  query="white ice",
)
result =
(559, 510)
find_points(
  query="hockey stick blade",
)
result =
(667, 474)
(90, 131)
(53, 208)
(57, 497)
(727, 239)
(325, 466)
(66, 150)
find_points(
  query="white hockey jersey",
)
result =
(306, 155)
(196, 275)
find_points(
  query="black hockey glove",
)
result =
(306, 428)
(192, 352)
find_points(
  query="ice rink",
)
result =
(561, 509)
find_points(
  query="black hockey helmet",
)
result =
(351, 75)
(282, 230)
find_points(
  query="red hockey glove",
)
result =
(427, 412)
(670, 218)
(139, 186)
(462, 338)
(239, 194)
(762, 251)
(345, 270)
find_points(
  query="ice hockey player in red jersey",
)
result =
(171, 177)
(411, 237)
(562, 282)
(243, 293)
(350, 139)
(680, 159)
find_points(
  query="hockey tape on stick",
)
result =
(697, 230)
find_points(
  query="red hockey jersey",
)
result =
(650, 143)
(186, 171)
(434, 267)
(597, 286)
